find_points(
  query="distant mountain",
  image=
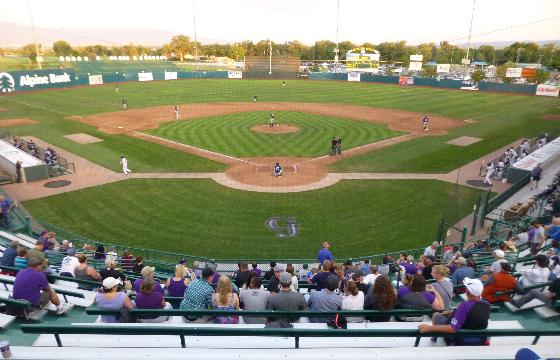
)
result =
(503, 44)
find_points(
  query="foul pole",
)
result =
(38, 56)
(195, 42)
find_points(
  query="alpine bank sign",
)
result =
(31, 81)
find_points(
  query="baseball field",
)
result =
(171, 201)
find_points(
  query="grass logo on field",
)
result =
(7, 83)
(283, 226)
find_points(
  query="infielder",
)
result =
(255, 98)
(124, 164)
(489, 173)
(425, 122)
(271, 119)
(277, 170)
(177, 115)
(124, 104)
(283, 84)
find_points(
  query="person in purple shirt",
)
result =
(324, 253)
(256, 270)
(472, 314)
(147, 272)
(150, 298)
(6, 205)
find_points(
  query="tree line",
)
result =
(181, 46)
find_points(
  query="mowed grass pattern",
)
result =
(232, 135)
(200, 217)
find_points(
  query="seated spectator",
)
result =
(295, 283)
(461, 272)
(150, 298)
(510, 245)
(443, 285)
(20, 262)
(270, 273)
(126, 260)
(305, 274)
(451, 254)
(499, 257)
(274, 282)
(554, 248)
(419, 296)
(472, 315)
(326, 299)
(198, 295)
(31, 284)
(243, 275)
(111, 271)
(358, 278)
(37, 252)
(255, 269)
(547, 297)
(225, 299)
(187, 271)
(197, 270)
(176, 286)
(365, 267)
(432, 249)
(112, 253)
(427, 270)
(537, 275)
(64, 246)
(347, 269)
(69, 263)
(373, 275)
(420, 264)
(285, 300)
(138, 265)
(9, 256)
(147, 272)
(381, 296)
(99, 253)
(110, 298)
(499, 282)
(409, 266)
(320, 278)
(254, 299)
(85, 272)
(353, 299)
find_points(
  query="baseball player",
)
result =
(177, 115)
(124, 164)
(271, 119)
(489, 173)
(283, 84)
(117, 89)
(255, 98)
(425, 122)
(124, 104)
(339, 145)
(277, 170)
(334, 146)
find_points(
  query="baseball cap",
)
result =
(474, 286)
(285, 278)
(182, 261)
(111, 282)
(461, 260)
(146, 270)
(499, 253)
(71, 251)
(279, 268)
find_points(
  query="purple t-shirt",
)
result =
(28, 285)
(149, 301)
(138, 285)
(461, 313)
(403, 290)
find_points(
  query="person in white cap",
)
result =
(499, 257)
(472, 314)
(110, 297)
(124, 164)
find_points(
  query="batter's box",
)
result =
(463, 141)
(82, 138)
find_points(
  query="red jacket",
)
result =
(501, 281)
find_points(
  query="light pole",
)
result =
(269, 57)
(38, 56)
(195, 42)
(469, 42)
(336, 50)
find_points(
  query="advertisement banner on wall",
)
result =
(145, 76)
(354, 76)
(96, 80)
(170, 75)
(443, 68)
(415, 66)
(547, 90)
(514, 72)
(406, 80)
(32, 80)
(528, 73)
(235, 74)
(416, 58)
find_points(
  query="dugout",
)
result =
(265, 67)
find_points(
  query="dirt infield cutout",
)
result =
(17, 122)
(2, 109)
(463, 141)
(551, 117)
(277, 129)
(82, 138)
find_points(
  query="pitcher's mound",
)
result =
(82, 138)
(463, 141)
(277, 129)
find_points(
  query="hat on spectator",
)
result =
(147, 270)
(461, 260)
(285, 279)
(182, 261)
(279, 268)
(71, 251)
(207, 272)
(499, 253)
(474, 286)
(111, 282)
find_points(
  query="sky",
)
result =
(304, 20)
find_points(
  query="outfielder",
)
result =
(271, 119)
(124, 164)
(124, 104)
(425, 122)
(177, 115)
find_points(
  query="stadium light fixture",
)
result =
(38, 55)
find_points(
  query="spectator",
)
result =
(348, 269)
(198, 295)
(85, 272)
(150, 298)
(243, 275)
(409, 266)
(274, 282)
(31, 284)
(353, 299)
(501, 281)
(451, 254)
(510, 245)
(147, 272)
(443, 285)
(111, 271)
(64, 246)
(305, 274)
(112, 253)
(419, 296)
(499, 257)
(126, 260)
(99, 253)
(325, 300)
(358, 278)
(420, 264)
(324, 253)
(216, 278)
(139, 265)
(373, 275)
(431, 250)
(321, 277)
(270, 273)
(548, 297)
(254, 299)
(255, 269)
(110, 298)
(428, 264)
(381, 296)
(472, 314)
(6, 205)
(197, 269)
(536, 237)
(366, 267)
(285, 300)
(176, 286)
(37, 252)
(537, 275)
(225, 299)
(69, 263)
(9, 256)
(20, 262)
(295, 284)
(461, 272)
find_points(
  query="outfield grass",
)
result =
(232, 135)
(203, 218)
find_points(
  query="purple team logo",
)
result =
(283, 226)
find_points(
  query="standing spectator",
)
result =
(31, 284)
(111, 271)
(325, 300)
(20, 262)
(472, 314)
(176, 286)
(536, 237)
(321, 277)
(353, 299)
(286, 300)
(536, 175)
(443, 285)
(9, 256)
(274, 282)
(150, 298)
(431, 250)
(126, 260)
(324, 253)
(85, 272)
(499, 282)
(270, 273)
(199, 294)
(225, 299)
(110, 298)
(6, 205)
(69, 263)
(381, 296)
(373, 275)
(254, 299)
(537, 275)
(461, 272)
(255, 269)
(138, 265)
(366, 267)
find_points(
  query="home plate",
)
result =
(120, 127)
(463, 141)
